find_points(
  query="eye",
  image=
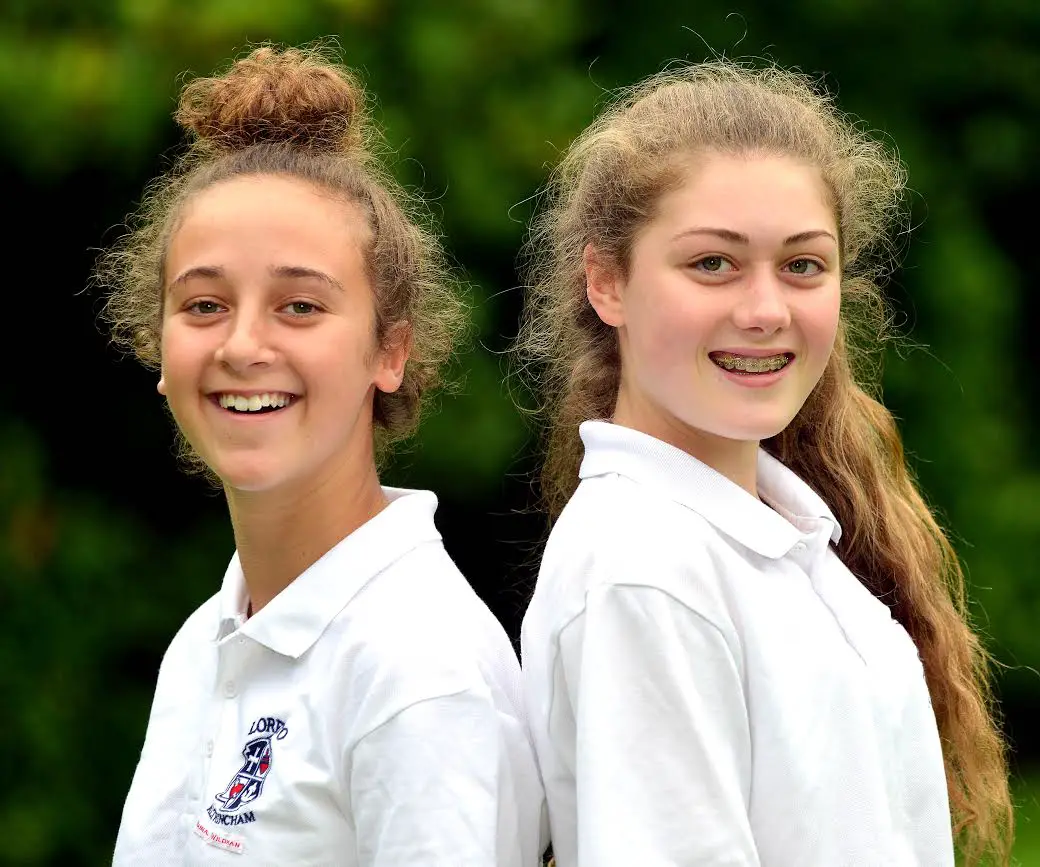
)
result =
(204, 308)
(713, 264)
(804, 267)
(301, 308)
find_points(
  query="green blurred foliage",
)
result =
(1026, 795)
(478, 97)
(70, 569)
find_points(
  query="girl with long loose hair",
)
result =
(749, 640)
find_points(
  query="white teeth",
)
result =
(255, 402)
(750, 364)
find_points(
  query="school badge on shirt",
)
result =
(231, 806)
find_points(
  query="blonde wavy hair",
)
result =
(294, 112)
(843, 442)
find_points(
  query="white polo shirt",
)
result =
(370, 714)
(707, 684)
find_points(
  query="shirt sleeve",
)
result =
(663, 755)
(424, 786)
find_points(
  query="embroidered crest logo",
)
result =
(248, 782)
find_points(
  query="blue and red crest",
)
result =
(246, 786)
(248, 782)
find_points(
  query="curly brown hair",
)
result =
(843, 442)
(294, 112)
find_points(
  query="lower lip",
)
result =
(754, 380)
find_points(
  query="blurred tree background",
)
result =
(105, 547)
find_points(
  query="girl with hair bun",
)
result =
(345, 698)
(748, 643)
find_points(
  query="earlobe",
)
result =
(397, 346)
(602, 286)
(160, 386)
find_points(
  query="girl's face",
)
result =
(727, 315)
(269, 356)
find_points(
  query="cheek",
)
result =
(682, 338)
(820, 321)
(173, 356)
(345, 361)
(672, 320)
(183, 349)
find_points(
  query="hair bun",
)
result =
(296, 96)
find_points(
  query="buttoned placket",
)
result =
(232, 652)
(809, 550)
(826, 583)
(232, 655)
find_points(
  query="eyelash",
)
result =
(195, 306)
(314, 308)
(697, 263)
(817, 265)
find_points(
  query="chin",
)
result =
(753, 430)
(252, 478)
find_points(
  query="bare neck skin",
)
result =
(280, 533)
(737, 460)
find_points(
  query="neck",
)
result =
(279, 534)
(737, 460)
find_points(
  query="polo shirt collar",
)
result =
(612, 448)
(293, 621)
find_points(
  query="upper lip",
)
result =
(753, 353)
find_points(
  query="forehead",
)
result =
(266, 217)
(752, 194)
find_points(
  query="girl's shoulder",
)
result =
(615, 519)
(629, 497)
(615, 531)
(195, 636)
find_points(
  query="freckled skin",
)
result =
(741, 286)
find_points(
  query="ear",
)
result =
(603, 286)
(160, 386)
(392, 357)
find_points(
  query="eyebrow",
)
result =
(205, 272)
(290, 272)
(738, 238)
(299, 272)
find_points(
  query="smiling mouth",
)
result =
(255, 403)
(751, 364)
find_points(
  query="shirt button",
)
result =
(799, 546)
(229, 689)
(209, 748)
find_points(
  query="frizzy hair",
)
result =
(843, 442)
(297, 113)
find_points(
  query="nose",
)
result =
(763, 305)
(245, 344)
